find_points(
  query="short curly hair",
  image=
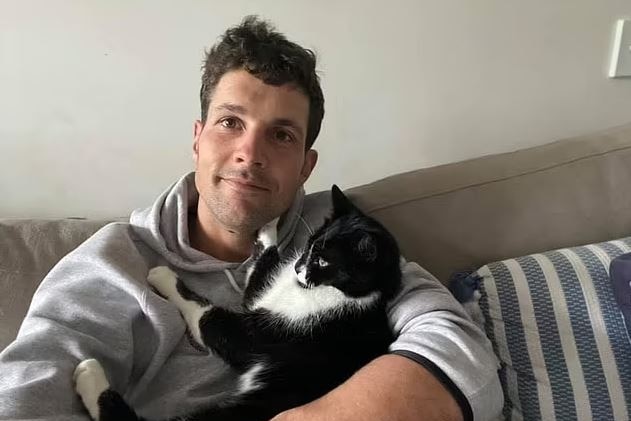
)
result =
(258, 48)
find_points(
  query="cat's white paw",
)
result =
(164, 280)
(90, 382)
(268, 234)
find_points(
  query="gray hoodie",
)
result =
(96, 303)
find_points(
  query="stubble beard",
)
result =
(239, 220)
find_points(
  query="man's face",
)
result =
(250, 154)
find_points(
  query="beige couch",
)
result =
(448, 218)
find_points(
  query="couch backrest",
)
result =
(28, 250)
(460, 216)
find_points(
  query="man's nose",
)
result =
(251, 149)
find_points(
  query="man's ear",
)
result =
(311, 158)
(198, 126)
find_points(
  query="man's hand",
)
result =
(390, 388)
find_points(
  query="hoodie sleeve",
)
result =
(81, 310)
(433, 329)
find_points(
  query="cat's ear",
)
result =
(367, 248)
(341, 204)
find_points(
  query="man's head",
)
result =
(256, 47)
(252, 148)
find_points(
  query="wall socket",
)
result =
(620, 65)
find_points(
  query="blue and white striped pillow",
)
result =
(564, 351)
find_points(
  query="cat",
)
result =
(307, 324)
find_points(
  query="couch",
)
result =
(453, 218)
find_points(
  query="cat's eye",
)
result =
(321, 262)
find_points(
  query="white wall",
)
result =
(97, 98)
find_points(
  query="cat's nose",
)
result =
(299, 267)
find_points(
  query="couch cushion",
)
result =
(460, 216)
(559, 334)
(28, 250)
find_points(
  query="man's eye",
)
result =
(283, 136)
(229, 123)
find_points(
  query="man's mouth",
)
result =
(245, 185)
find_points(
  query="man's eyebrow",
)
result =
(233, 108)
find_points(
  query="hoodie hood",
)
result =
(164, 227)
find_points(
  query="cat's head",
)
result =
(351, 252)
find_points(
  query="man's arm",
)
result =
(78, 312)
(441, 365)
(392, 388)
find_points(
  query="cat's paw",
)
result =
(257, 249)
(268, 234)
(90, 383)
(164, 280)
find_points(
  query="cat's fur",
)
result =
(307, 324)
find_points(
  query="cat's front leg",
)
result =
(103, 403)
(268, 234)
(90, 383)
(267, 237)
(266, 261)
(228, 333)
(191, 306)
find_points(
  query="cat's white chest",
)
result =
(286, 298)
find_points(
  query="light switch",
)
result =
(620, 65)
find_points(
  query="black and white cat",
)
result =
(307, 323)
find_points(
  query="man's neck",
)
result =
(223, 244)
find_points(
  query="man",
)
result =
(262, 108)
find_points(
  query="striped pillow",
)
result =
(555, 325)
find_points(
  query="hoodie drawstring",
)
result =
(233, 282)
(306, 225)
